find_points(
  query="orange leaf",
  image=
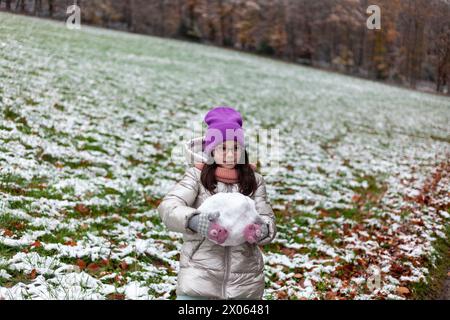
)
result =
(36, 244)
(8, 233)
(123, 265)
(282, 294)
(71, 243)
(33, 274)
(105, 262)
(157, 145)
(289, 252)
(82, 209)
(330, 295)
(356, 198)
(93, 267)
(81, 264)
(19, 225)
(402, 290)
(152, 201)
(116, 296)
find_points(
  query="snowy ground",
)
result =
(89, 120)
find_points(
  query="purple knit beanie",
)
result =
(224, 124)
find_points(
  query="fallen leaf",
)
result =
(32, 274)
(152, 201)
(116, 296)
(82, 209)
(157, 146)
(93, 267)
(356, 198)
(36, 244)
(19, 225)
(331, 295)
(123, 265)
(288, 251)
(403, 290)
(105, 262)
(71, 243)
(59, 165)
(8, 233)
(282, 294)
(301, 283)
(81, 264)
(398, 269)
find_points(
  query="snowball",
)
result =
(236, 212)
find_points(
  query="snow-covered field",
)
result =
(88, 123)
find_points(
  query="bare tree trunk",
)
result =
(448, 81)
(221, 23)
(8, 5)
(50, 8)
(20, 4)
(290, 30)
(128, 14)
(37, 7)
(162, 29)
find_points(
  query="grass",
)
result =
(63, 235)
(438, 272)
(7, 251)
(94, 155)
(13, 224)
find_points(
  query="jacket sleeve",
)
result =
(264, 209)
(175, 208)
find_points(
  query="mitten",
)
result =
(255, 232)
(205, 224)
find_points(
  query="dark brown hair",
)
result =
(246, 176)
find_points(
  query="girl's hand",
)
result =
(255, 232)
(206, 225)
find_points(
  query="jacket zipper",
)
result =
(227, 258)
(227, 267)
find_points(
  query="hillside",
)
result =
(89, 124)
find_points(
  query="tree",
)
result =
(37, 7)
(439, 28)
(50, 8)
(412, 45)
(7, 4)
(20, 4)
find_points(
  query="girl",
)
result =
(209, 270)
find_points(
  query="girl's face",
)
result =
(227, 154)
